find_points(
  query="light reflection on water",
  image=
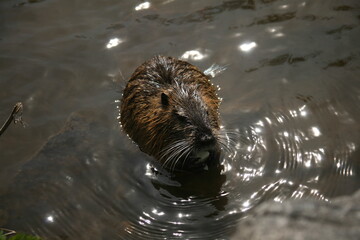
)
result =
(194, 55)
(290, 94)
(247, 46)
(113, 42)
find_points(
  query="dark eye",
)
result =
(180, 115)
(182, 119)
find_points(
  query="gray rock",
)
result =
(303, 220)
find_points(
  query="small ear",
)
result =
(164, 99)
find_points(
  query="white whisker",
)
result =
(174, 153)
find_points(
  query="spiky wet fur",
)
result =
(167, 104)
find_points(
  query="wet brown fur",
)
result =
(154, 121)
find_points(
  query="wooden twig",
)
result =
(7, 232)
(16, 110)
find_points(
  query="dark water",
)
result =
(291, 88)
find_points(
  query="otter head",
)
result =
(170, 109)
(192, 128)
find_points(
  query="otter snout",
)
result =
(207, 139)
(206, 148)
(205, 157)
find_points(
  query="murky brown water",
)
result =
(291, 88)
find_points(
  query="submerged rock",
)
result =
(303, 219)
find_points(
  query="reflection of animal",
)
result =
(170, 109)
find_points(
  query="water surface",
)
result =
(291, 89)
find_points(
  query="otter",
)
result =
(170, 109)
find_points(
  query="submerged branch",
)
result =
(6, 231)
(17, 110)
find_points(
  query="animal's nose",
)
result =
(207, 139)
